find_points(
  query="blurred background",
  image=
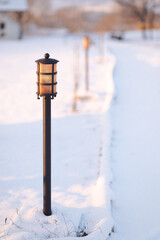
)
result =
(116, 16)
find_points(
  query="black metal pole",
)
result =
(47, 155)
(86, 69)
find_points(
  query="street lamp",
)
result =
(86, 45)
(46, 88)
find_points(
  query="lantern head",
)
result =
(46, 76)
(86, 42)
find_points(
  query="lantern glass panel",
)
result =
(55, 68)
(45, 68)
(45, 89)
(55, 78)
(45, 78)
(55, 88)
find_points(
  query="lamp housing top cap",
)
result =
(47, 60)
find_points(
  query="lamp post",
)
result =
(46, 88)
(86, 45)
(101, 44)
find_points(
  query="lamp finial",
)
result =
(46, 55)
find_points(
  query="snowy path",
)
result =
(135, 142)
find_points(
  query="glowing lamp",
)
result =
(46, 76)
(86, 42)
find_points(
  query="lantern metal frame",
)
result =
(44, 61)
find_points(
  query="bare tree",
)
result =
(39, 7)
(19, 17)
(142, 10)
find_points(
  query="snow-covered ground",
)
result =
(80, 141)
(135, 117)
(105, 151)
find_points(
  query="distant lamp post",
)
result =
(46, 88)
(101, 44)
(86, 45)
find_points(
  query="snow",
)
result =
(135, 116)
(81, 195)
(13, 5)
(91, 5)
(106, 7)
(105, 154)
